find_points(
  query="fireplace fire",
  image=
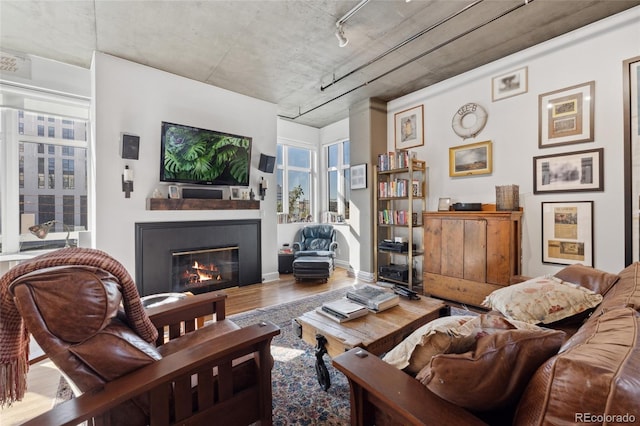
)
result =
(204, 270)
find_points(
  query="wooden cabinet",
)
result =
(470, 254)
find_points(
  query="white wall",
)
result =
(595, 53)
(134, 98)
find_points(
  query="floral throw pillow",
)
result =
(542, 300)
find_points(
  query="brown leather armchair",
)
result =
(216, 374)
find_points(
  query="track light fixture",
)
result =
(342, 40)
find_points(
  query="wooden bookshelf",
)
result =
(200, 204)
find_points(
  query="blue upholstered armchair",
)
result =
(316, 240)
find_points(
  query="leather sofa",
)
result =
(593, 379)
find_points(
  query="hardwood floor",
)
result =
(43, 377)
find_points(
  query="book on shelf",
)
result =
(342, 310)
(373, 297)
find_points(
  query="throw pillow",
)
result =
(591, 278)
(542, 300)
(495, 374)
(435, 337)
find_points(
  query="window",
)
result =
(46, 182)
(338, 180)
(294, 172)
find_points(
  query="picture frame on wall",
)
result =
(509, 84)
(567, 232)
(631, 95)
(409, 128)
(566, 116)
(569, 172)
(471, 159)
(359, 176)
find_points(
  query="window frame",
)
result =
(343, 182)
(284, 168)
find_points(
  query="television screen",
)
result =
(206, 157)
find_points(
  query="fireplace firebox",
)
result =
(232, 246)
(204, 270)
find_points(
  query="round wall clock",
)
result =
(469, 120)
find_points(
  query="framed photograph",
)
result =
(235, 192)
(567, 232)
(244, 193)
(569, 172)
(471, 159)
(409, 128)
(444, 204)
(631, 96)
(174, 191)
(509, 84)
(566, 115)
(359, 176)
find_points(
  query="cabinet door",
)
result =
(500, 260)
(456, 248)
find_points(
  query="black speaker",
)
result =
(130, 147)
(208, 194)
(267, 163)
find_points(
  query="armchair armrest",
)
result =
(381, 393)
(175, 371)
(297, 246)
(333, 246)
(186, 315)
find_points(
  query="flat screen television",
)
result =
(204, 157)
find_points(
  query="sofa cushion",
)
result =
(595, 372)
(94, 293)
(495, 373)
(594, 279)
(438, 336)
(542, 300)
(115, 351)
(626, 292)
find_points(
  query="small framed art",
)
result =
(567, 232)
(444, 204)
(235, 193)
(174, 191)
(509, 84)
(409, 128)
(471, 159)
(569, 172)
(359, 176)
(566, 116)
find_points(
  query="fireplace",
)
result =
(227, 252)
(199, 271)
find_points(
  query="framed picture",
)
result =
(444, 204)
(566, 115)
(567, 232)
(631, 96)
(359, 176)
(409, 128)
(569, 172)
(509, 84)
(471, 159)
(235, 193)
(174, 191)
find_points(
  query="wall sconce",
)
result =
(42, 230)
(127, 182)
(263, 188)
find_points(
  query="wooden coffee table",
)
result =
(375, 332)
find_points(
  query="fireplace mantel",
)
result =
(200, 204)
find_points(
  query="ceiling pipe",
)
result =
(398, 46)
(352, 12)
(439, 46)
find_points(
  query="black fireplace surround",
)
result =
(156, 241)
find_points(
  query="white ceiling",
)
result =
(285, 51)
